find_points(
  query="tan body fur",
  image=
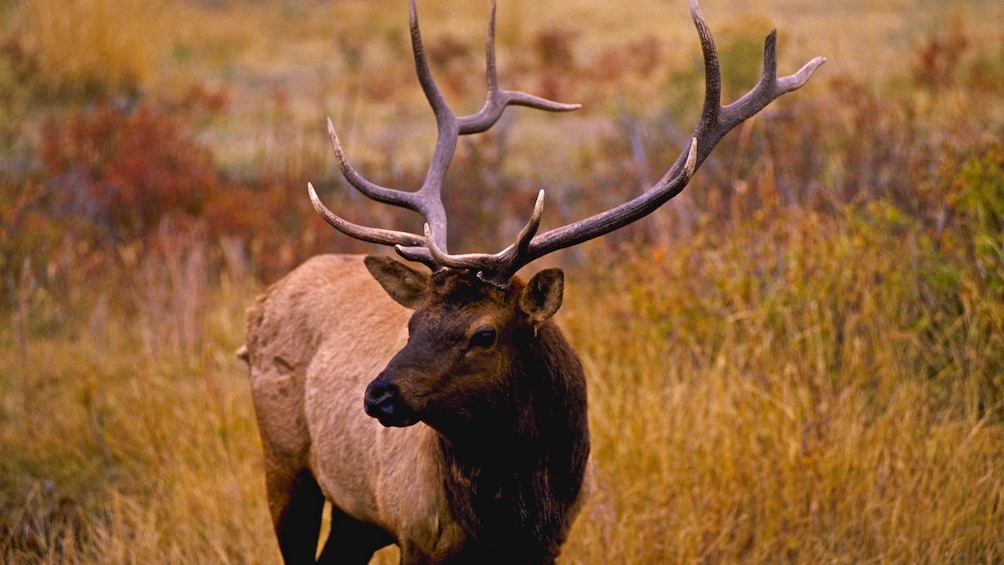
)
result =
(315, 340)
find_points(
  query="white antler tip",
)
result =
(695, 10)
(316, 202)
(333, 134)
(692, 158)
(438, 255)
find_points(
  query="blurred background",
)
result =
(799, 359)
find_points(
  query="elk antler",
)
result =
(427, 200)
(716, 121)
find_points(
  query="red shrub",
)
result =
(137, 164)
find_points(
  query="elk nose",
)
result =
(381, 399)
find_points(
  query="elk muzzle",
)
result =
(383, 401)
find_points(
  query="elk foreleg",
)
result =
(296, 503)
(351, 541)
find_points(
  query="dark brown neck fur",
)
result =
(513, 488)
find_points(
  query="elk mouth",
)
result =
(383, 402)
(395, 421)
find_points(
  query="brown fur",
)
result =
(493, 470)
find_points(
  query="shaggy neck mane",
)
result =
(511, 488)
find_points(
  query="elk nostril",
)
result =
(383, 401)
(380, 399)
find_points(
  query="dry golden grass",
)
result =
(786, 420)
(89, 46)
(132, 443)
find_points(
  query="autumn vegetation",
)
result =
(799, 360)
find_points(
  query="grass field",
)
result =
(801, 360)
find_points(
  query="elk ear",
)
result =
(405, 285)
(541, 297)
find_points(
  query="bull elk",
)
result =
(442, 411)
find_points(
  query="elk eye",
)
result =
(483, 337)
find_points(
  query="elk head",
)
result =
(464, 338)
(471, 312)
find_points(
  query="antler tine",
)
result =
(496, 268)
(376, 192)
(716, 121)
(499, 98)
(372, 235)
(381, 194)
